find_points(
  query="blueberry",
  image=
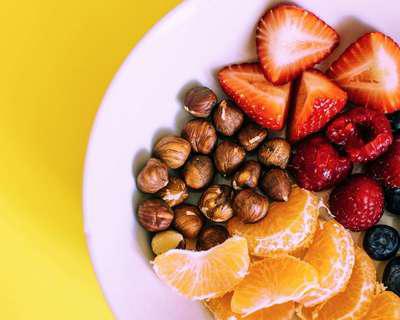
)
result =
(395, 121)
(391, 276)
(392, 200)
(381, 242)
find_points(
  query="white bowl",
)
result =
(144, 102)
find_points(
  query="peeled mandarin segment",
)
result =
(205, 274)
(287, 228)
(221, 309)
(384, 306)
(354, 302)
(272, 281)
(332, 255)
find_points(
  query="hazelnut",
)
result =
(191, 244)
(175, 192)
(188, 220)
(211, 236)
(216, 203)
(251, 136)
(155, 215)
(228, 157)
(250, 206)
(201, 134)
(174, 151)
(275, 152)
(199, 101)
(227, 118)
(153, 176)
(198, 172)
(167, 240)
(276, 184)
(247, 175)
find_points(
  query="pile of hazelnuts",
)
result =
(219, 144)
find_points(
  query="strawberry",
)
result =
(263, 102)
(369, 70)
(318, 100)
(290, 40)
(357, 203)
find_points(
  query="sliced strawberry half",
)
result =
(263, 102)
(369, 70)
(290, 40)
(318, 100)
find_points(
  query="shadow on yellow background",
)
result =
(57, 58)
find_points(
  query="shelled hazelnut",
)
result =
(247, 175)
(175, 192)
(216, 203)
(227, 118)
(188, 220)
(167, 240)
(153, 176)
(199, 101)
(201, 134)
(251, 136)
(275, 152)
(276, 184)
(198, 172)
(250, 206)
(155, 215)
(174, 151)
(228, 156)
(211, 236)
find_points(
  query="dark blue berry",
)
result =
(395, 121)
(391, 276)
(381, 242)
(392, 200)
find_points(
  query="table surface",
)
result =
(57, 59)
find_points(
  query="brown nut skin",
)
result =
(211, 236)
(228, 156)
(155, 215)
(247, 176)
(275, 152)
(201, 135)
(216, 203)
(276, 184)
(199, 101)
(250, 206)
(227, 118)
(153, 176)
(251, 136)
(188, 220)
(174, 151)
(198, 172)
(175, 192)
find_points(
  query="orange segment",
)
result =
(221, 309)
(288, 227)
(205, 274)
(385, 306)
(272, 281)
(332, 255)
(354, 302)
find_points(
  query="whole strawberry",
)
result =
(317, 165)
(357, 203)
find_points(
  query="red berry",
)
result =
(365, 133)
(357, 203)
(386, 169)
(317, 165)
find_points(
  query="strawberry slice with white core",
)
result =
(262, 101)
(369, 70)
(291, 40)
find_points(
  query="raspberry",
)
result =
(317, 165)
(364, 133)
(357, 203)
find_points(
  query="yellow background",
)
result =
(57, 59)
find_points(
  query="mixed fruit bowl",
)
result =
(267, 206)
